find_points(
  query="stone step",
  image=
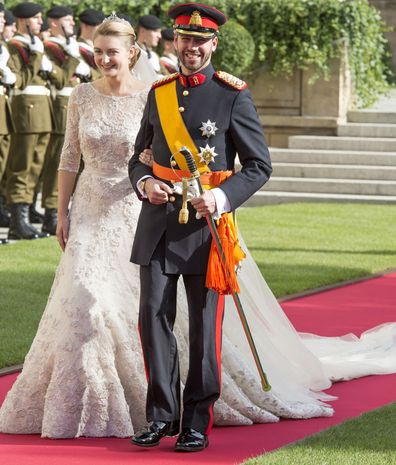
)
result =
(312, 170)
(366, 130)
(343, 157)
(372, 116)
(376, 144)
(331, 186)
(275, 197)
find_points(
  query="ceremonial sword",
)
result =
(192, 168)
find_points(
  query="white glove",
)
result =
(9, 77)
(83, 69)
(46, 64)
(72, 48)
(4, 56)
(38, 46)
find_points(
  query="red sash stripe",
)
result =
(218, 337)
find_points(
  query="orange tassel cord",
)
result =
(222, 277)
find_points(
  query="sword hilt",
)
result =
(192, 167)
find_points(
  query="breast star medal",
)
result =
(209, 128)
(207, 154)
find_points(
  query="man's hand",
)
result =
(157, 191)
(205, 204)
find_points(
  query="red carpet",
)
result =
(353, 308)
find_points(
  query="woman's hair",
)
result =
(122, 29)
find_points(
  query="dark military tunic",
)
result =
(239, 131)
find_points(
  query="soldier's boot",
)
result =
(20, 227)
(4, 215)
(34, 215)
(4, 241)
(50, 221)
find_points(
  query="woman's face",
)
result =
(112, 55)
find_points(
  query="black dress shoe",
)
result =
(191, 440)
(156, 431)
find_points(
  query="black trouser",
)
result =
(156, 319)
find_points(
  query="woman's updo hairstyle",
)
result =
(118, 27)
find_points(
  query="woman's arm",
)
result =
(66, 181)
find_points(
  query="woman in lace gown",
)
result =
(84, 373)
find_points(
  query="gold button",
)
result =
(181, 109)
(54, 71)
(31, 105)
(185, 92)
(173, 163)
(64, 106)
(6, 97)
(172, 198)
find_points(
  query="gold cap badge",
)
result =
(195, 19)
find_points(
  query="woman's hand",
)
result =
(146, 157)
(62, 230)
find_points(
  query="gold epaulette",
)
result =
(231, 80)
(164, 80)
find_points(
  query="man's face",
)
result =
(193, 52)
(153, 37)
(2, 21)
(35, 23)
(63, 26)
(9, 31)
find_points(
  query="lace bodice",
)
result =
(107, 144)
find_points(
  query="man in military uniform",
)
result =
(89, 22)
(7, 79)
(212, 114)
(31, 102)
(64, 53)
(168, 60)
(149, 35)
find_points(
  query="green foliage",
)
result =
(235, 51)
(293, 34)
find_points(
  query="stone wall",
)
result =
(388, 12)
(294, 105)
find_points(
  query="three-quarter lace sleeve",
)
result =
(71, 152)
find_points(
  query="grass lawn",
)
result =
(365, 440)
(297, 246)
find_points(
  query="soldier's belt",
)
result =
(32, 90)
(65, 92)
(212, 179)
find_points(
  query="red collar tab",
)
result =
(192, 81)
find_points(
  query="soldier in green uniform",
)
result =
(31, 102)
(89, 22)
(7, 79)
(64, 53)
